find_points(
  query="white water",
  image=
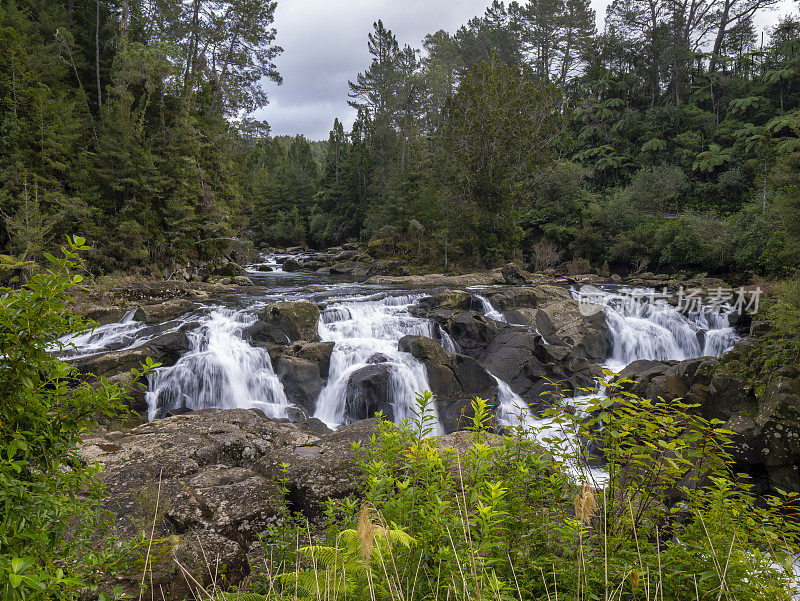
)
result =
(220, 371)
(125, 333)
(488, 310)
(361, 330)
(658, 331)
(639, 330)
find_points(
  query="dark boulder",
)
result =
(369, 391)
(230, 270)
(301, 381)
(513, 274)
(455, 379)
(281, 323)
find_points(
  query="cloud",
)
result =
(325, 46)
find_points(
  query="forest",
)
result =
(668, 140)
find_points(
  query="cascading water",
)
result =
(639, 330)
(659, 331)
(125, 333)
(365, 332)
(512, 410)
(488, 310)
(221, 371)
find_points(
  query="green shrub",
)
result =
(496, 516)
(50, 533)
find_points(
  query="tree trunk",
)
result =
(723, 27)
(97, 53)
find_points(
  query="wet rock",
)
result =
(318, 353)
(301, 381)
(757, 328)
(377, 358)
(160, 312)
(451, 299)
(165, 349)
(292, 265)
(349, 268)
(281, 323)
(263, 268)
(455, 379)
(472, 331)
(423, 348)
(241, 280)
(369, 391)
(513, 274)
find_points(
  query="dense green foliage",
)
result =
(115, 115)
(487, 516)
(50, 533)
(774, 350)
(670, 140)
(673, 142)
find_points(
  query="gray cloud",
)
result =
(325, 45)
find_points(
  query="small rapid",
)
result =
(488, 310)
(123, 334)
(220, 371)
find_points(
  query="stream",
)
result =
(222, 369)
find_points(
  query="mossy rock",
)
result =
(299, 321)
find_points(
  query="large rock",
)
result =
(230, 270)
(540, 373)
(455, 379)
(282, 323)
(165, 349)
(472, 331)
(291, 265)
(369, 391)
(207, 482)
(765, 427)
(301, 381)
(450, 299)
(514, 274)
(349, 268)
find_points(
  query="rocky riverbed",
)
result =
(290, 370)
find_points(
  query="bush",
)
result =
(496, 517)
(50, 534)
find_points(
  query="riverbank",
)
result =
(255, 378)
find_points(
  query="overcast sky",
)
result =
(325, 45)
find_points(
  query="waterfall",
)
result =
(659, 331)
(367, 332)
(512, 410)
(220, 371)
(448, 344)
(488, 310)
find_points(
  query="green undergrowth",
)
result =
(54, 541)
(483, 516)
